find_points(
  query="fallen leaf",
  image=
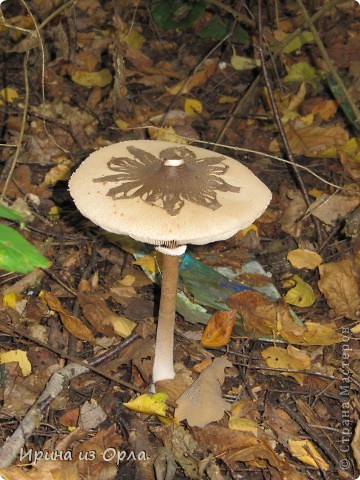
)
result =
(102, 318)
(196, 80)
(293, 207)
(202, 402)
(302, 258)
(44, 469)
(243, 425)
(150, 404)
(290, 358)
(301, 294)
(8, 95)
(305, 451)
(19, 356)
(192, 106)
(243, 63)
(217, 332)
(73, 324)
(92, 79)
(258, 313)
(339, 284)
(332, 208)
(311, 140)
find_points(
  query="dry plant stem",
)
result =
(56, 384)
(163, 361)
(328, 62)
(281, 128)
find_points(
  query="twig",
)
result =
(328, 62)
(306, 427)
(281, 127)
(56, 384)
(238, 16)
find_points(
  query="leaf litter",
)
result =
(283, 402)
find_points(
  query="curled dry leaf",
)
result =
(339, 283)
(294, 207)
(202, 403)
(355, 444)
(217, 332)
(287, 358)
(72, 324)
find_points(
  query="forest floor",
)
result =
(276, 372)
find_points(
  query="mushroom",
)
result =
(167, 195)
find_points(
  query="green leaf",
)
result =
(217, 28)
(17, 254)
(10, 214)
(173, 14)
(299, 41)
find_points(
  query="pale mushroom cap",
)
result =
(194, 223)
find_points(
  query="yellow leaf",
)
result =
(122, 326)
(17, 356)
(8, 95)
(56, 174)
(305, 451)
(192, 106)
(302, 258)
(122, 124)
(150, 404)
(92, 79)
(167, 134)
(243, 63)
(301, 295)
(356, 328)
(134, 39)
(10, 300)
(54, 213)
(147, 262)
(243, 424)
(290, 358)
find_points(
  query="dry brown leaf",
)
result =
(289, 358)
(339, 283)
(44, 469)
(217, 332)
(294, 207)
(98, 466)
(332, 208)
(312, 140)
(236, 446)
(97, 313)
(196, 80)
(281, 423)
(73, 324)
(259, 314)
(202, 403)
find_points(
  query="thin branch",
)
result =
(280, 126)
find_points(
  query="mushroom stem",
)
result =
(163, 361)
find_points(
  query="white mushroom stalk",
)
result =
(168, 195)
